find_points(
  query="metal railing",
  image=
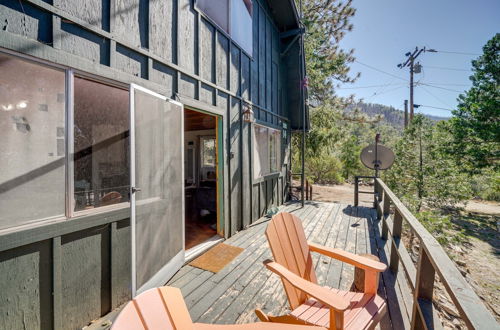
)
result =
(432, 261)
(308, 188)
(357, 191)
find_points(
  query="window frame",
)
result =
(69, 75)
(70, 168)
(222, 31)
(277, 151)
(64, 69)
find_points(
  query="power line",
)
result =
(433, 107)
(434, 96)
(458, 53)
(443, 68)
(381, 71)
(384, 92)
(372, 86)
(446, 89)
(443, 84)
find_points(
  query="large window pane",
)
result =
(241, 24)
(101, 161)
(217, 11)
(32, 175)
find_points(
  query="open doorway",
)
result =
(200, 177)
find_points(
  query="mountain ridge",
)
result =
(392, 116)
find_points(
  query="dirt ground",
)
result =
(477, 257)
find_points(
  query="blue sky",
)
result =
(384, 30)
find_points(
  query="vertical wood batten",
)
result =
(197, 48)
(56, 32)
(57, 283)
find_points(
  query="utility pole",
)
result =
(406, 113)
(414, 68)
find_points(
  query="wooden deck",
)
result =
(232, 294)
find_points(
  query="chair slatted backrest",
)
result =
(158, 308)
(288, 243)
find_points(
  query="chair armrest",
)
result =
(320, 293)
(350, 258)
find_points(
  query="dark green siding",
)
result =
(63, 275)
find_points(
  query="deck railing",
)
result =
(308, 188)
(432, 261)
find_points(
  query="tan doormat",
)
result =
(217, 257)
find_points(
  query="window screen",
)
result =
(32, 142)
(101, 161)
(267, 151)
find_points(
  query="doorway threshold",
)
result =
(199, 249)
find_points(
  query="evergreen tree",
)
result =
(476, 122)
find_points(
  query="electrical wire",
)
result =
(442, 84)
(384, 92)
(458, 53)
(381, 71)
(446, 89)
(443, 68)
(433, 107)
(372, 86)
(434, 96)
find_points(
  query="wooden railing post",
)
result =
(423, 293)
(397, 227)
(385, 214)
(356, 191)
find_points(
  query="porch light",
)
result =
(248, 114)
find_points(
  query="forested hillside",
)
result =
(391, 115)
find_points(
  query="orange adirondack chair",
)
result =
(311, 303)
(164, 308)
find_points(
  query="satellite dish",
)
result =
(377, 154)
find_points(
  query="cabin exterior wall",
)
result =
(63, 274)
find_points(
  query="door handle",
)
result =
(135, 189)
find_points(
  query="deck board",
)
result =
(231, 295)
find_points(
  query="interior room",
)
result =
(200, 177)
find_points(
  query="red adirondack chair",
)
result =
(164, 309)
(311, 303)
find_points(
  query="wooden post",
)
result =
(375, 192)
(424, 287)
(356, 189)
(310, 192)
(387, 204)
(385, 214)
(358, 284)
(396, 234)
(406, 113)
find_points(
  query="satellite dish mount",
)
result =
(377, 157)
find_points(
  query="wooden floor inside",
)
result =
(232, 294)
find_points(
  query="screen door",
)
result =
(157, 193)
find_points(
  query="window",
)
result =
(33, 156)
(101, 135)
(267, 151)
(32, 142)
(274, 146)
(207, 158)
(232, 16)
